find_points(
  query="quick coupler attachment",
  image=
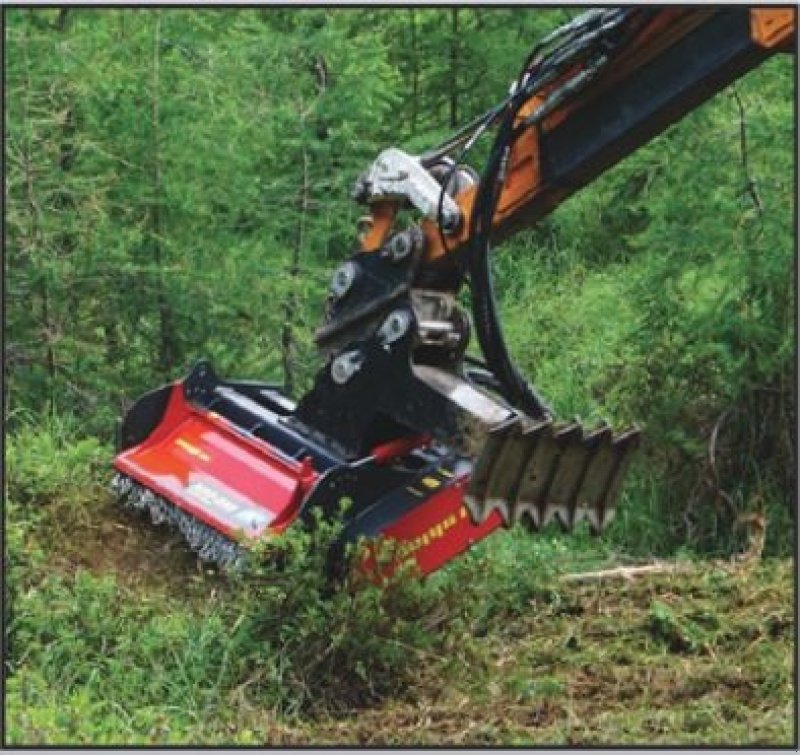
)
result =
(540, 471)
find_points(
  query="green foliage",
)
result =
(177, 186)
(716, 340)
(50, 464)
(275, 656)
(87, 651)
(316, 648)
(517, 573)
(52, 486)
(676, 635)
(168, 198)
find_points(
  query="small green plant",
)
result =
(48, 463)
(680, 634)
(53, 478)
(317, 647)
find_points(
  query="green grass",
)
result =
(696, 659)
(117, 637)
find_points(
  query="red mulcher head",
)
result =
(227, 462)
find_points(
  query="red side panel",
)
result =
(439, 529)
(201, 463)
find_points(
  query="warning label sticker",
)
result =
(234, 511)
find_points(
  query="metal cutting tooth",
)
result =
(586, 460)
(501, 489)
(594, 485)
(556, 492)
(520, 449)
(622, 446)
(525, 506)
(536, 478)
(573, 466)
(476, 497)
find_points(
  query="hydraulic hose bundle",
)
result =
(585, 44)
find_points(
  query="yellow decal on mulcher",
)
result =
(190, 448)
(433, 533)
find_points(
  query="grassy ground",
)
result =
(701, 658)
(117, 637)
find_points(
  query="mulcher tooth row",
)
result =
(542, 471)
(210, 545)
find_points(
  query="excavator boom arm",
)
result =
(672, 61)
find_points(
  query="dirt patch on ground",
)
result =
(140, 555)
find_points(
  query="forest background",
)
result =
(177, 185)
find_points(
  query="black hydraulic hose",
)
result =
(484, 306)
(584, 35)
(592, 37)
(465, 133)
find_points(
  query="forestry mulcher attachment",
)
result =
(432, 448)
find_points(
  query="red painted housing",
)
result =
(244, 487)
(200, 462)
(437, 530)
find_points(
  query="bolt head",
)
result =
(345, 366)
(343, 279)
(451, 221)
(400, 246)
(395, 326)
